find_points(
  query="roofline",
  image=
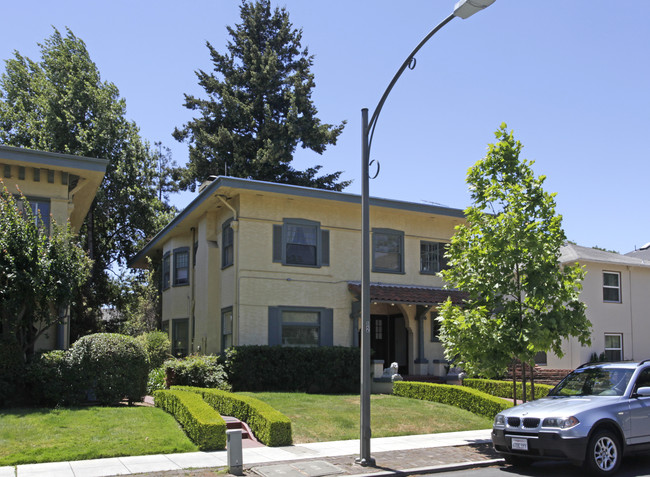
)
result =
(299, 191)
(53, 159)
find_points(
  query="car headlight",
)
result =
(499, 420)
(561, 422)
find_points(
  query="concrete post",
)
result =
(233, 449)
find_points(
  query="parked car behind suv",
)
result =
(594, 416)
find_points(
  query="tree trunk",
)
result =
(523, 381)
(514, 381)
(532, 381)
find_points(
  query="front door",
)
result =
(389, 340)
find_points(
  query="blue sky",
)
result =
(572, 79)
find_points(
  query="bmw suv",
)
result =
(594, 416)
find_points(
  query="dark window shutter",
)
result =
(277, 243)
(275, 326)
(327, 327)
(325, 244)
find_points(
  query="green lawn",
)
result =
(319, 418)
(52, 435)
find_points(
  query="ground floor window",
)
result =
(541, 358)
(226, 328)
(614, 347)
(180, 337)
(300, 326)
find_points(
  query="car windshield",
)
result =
(597, 381)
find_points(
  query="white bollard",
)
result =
(233, 449)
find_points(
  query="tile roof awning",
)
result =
(410, 294)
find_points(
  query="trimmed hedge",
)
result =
(202, 424)
(319, 370)
(196, 370)
(504, 388)
(459, 396)
(269, 425)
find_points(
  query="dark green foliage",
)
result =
(270, 426)
(322, 370)
(112, 366)
(503, 389)
(465, 398)
(202, 424)
(157, 346)
(196, 370)
(53, 380)
(12, 368)
(258, 107)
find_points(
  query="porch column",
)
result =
(420, 316)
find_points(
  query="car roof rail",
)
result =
(643, 362)
(585, 364)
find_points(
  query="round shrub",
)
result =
(53, 380)
(112, 366)
(157, 346)
(197, 370)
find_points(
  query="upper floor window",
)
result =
(227, 244)
(165, 271)
(432, 257)
(387, 251)
(612, 287)
(300, 242)
(614, 347)
(181, 266)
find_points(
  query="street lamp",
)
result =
(462, 9)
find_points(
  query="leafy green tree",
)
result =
(259, 106)
(39, 273)
(60, 104)
(521, 299)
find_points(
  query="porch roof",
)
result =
(411, 294)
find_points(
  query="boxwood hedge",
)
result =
(202, 424)
(466, 398)
(270, 426)
(503, 389)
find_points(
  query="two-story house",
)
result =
(60, 187)
(258, 263)
(616, 290)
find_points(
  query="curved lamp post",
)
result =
(462, 9)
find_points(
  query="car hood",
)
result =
(558, 406)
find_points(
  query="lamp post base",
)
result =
(365, 462)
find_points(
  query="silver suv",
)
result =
(592, 417)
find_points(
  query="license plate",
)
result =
(520, 444)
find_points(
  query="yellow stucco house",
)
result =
(258, 263)
(61, 187)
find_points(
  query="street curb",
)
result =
(433, 469)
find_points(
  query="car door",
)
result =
(640, 412)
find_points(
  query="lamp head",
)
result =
(466, 8)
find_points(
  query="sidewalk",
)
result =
(393, 455)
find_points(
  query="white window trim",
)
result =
(612, 287)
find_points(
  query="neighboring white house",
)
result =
(616, 290)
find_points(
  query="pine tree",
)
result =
(259, 106)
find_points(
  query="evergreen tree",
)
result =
(521, 299)
(61, 104)
(259, 106)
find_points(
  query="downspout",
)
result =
(235, 306)
(629, 271)
(192, 285)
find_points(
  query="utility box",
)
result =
(234, 451)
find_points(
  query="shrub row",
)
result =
(103, 367)
(202, 424)
(503, 389)
(459, 396)
(270, 426)
(323, 370)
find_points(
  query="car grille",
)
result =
(529, 422)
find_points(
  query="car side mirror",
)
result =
(643, 391)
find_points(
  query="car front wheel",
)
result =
(603, 453)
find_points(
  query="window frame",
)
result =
(619, 349)
(442, 261)
(325, 324)
(166, 270)
(227, 243)
(225, 311)
(178, 252)
(376, 232)
(179, 322)
(280, 243)
(610, 287)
